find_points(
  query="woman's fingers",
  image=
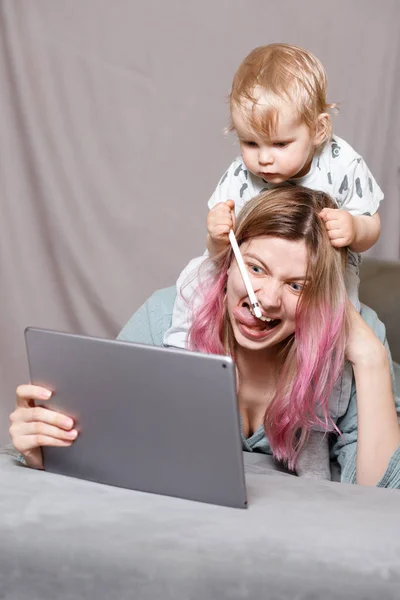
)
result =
(41, 414)
(33, 426)
(35, 441)
(28, 433)
(27, 392)
(40, 428)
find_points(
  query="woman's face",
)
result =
(277, 270)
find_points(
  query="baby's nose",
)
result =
(264, 156)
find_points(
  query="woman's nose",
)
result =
(269, 295)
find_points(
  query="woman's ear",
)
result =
(323, 130)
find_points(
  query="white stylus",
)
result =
(250, 292)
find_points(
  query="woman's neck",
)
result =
(252, 364)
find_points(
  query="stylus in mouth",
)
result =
(246, 280)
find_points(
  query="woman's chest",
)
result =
(253, 403)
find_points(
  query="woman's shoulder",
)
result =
(162, 300)
(372, 319)
(152, 319)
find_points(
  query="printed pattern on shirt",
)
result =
(336, 169)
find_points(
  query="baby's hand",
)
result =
(340, 226)
(220, 220)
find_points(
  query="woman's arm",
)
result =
(369, 448)
(378, 428)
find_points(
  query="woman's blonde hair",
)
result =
(281, 72)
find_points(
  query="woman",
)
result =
(287, 363)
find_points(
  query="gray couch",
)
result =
(380, 289)
(65, 539)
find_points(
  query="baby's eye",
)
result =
(296, 287)
(281, 144)
(250, 144)
(255, 269)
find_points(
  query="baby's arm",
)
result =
(367, 231)
(232, 185)
(359, 232)
(220, 220)
(357, 223)
(231, 194)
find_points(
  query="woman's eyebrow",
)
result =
(258, 259)
(255, 257)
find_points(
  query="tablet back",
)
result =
(154, 419)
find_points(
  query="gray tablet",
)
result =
(153, 419)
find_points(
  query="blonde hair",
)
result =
(281, 72)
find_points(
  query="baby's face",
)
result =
(285, 154)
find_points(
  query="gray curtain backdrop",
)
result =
(111, 142)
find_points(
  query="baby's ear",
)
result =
(323, 130)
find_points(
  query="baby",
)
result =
(280, 114)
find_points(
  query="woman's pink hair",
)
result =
(312, 359)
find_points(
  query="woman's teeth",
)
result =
(262, 318)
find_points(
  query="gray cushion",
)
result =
(68, 539)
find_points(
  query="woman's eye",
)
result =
(296, 287)
(255, 269)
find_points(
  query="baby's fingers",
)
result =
(220, 231)
(340, 242)
(222, 209)
(327, 214)
(231, 205)
(332, 225)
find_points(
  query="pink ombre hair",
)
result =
(312, 359)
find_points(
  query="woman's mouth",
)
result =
(251, 325)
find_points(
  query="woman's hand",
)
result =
(33, 426)
(378, 433)
(363, 347)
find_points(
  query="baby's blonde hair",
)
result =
(281, 72)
